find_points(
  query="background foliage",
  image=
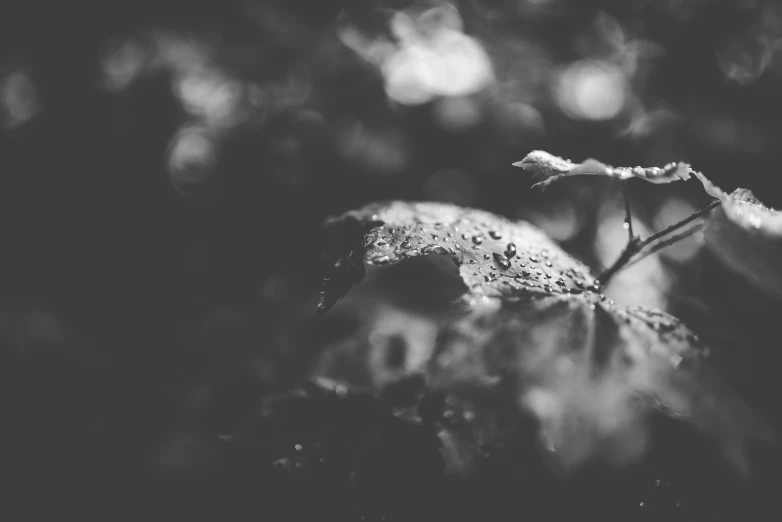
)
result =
(165, 168)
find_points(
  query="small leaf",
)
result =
(547, 168)
(747, 236)
(496, 257)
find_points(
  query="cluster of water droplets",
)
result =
(649, 173)
(490, 252)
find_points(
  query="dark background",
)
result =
(165, 168)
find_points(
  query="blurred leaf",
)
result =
(590, 373)
(547, 168)
(496, 257)
(747, 236)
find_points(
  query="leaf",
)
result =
(589, 370)
(495, 257)
(747, 236)
(547, 168)
(591, 373)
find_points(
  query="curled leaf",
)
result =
(547, 168)
(495, 257)
(747, 236)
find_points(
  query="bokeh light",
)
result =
(207, 93)
(591, 90)
(18, 98)
(192, 158)
(123, 62)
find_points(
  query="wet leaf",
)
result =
(547, 168)
(590, 373)
(495, 257)
(540, 335)
(747, 236)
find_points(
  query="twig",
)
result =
(635, 246)
(628, 214)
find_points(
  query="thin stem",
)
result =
(628, 214)
(692, 217)
(634, 247)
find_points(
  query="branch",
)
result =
(637, 250)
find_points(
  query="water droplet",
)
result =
(549, 264)
(298, 447)
(486, 256)
(477, 240)
(473, 261)
(494, 234)
(510, 250)
(626, 225)
(475, 273)
(434, 249)
(501, 260)
(544, 253)
(533, 259)
(560, 282)
(492, 274)
(593, 288)
(465, 236)
(450, 234)
(406, 244)
(525, 273)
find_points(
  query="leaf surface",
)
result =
(495, 257)
(591, 373)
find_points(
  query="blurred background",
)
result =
(165, 168)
